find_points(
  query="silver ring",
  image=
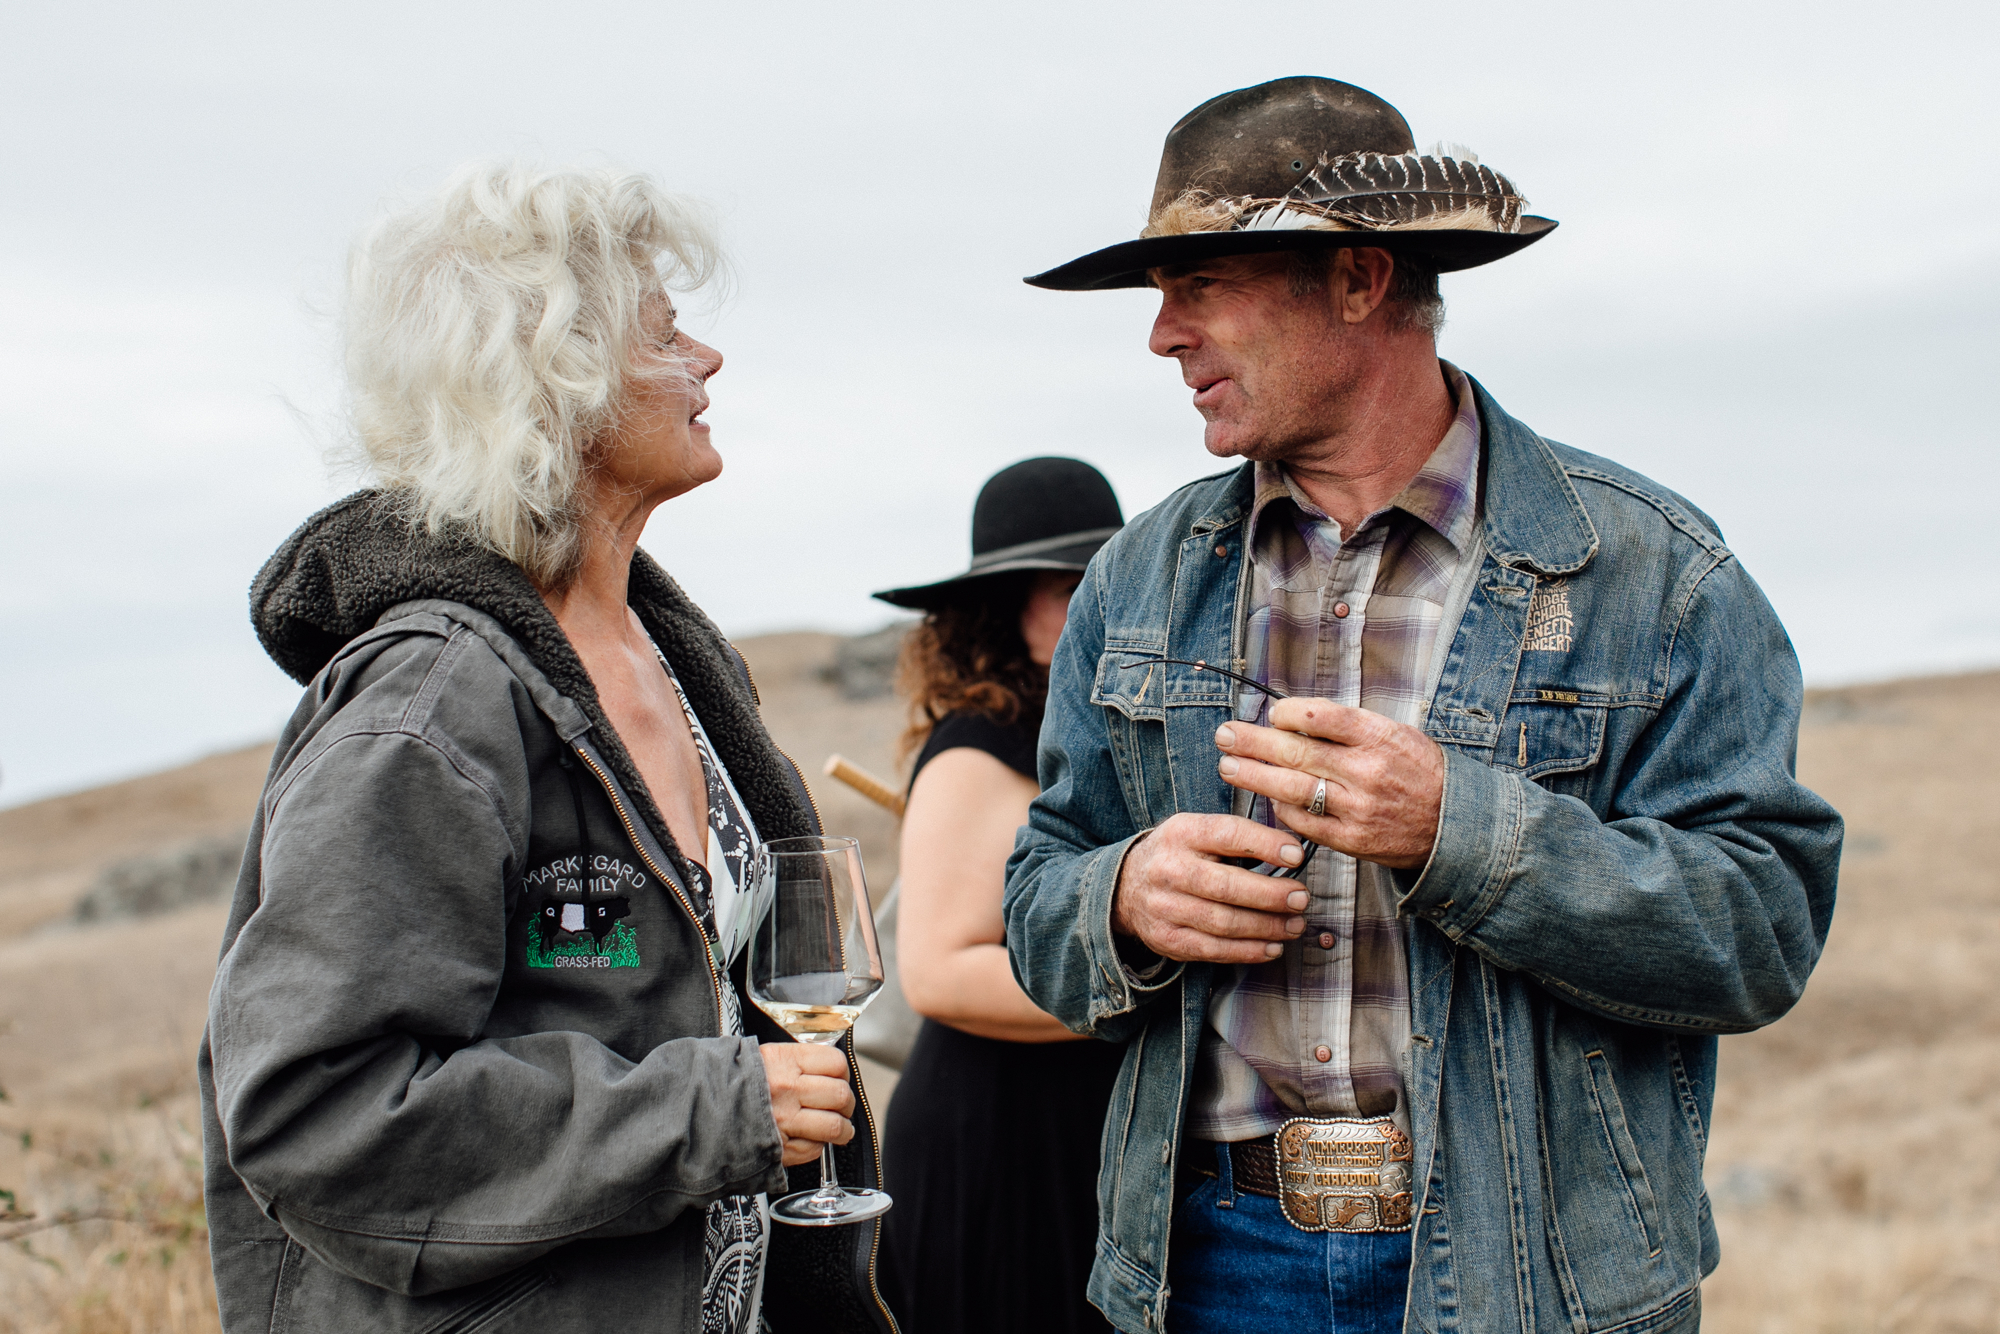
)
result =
(1318, 806)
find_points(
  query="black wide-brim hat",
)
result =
(1038, 514)
(1309, 164)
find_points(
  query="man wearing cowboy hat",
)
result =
(1418, 797)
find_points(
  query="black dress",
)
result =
(991, 1154)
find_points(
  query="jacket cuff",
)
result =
(1116, 986)
(759, 1117)
(1480, 819)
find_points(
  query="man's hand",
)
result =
(1176, 895)
(810, 1097)
(1384, 780)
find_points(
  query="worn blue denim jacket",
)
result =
(1625, 868)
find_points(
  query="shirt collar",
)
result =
(1444, 493)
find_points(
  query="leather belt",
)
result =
(1328, 1173)
(1253, 1163)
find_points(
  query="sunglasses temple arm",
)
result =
(1198, 665)
(1297, 872)
(1283, 872)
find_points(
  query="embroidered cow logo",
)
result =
(580, 903)
(1551, 629)
(597, 918)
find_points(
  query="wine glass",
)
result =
(814, 966)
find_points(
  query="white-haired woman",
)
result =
(476, 1058)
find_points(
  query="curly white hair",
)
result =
(494, 332)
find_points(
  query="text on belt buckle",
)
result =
(1344, 1174)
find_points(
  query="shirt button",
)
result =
(1340, 610)
(1322, 1053)
(1326, 940)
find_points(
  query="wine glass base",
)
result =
(809, 1208)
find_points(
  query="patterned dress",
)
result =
(739, 1226)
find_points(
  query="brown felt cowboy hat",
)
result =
(1309, 163)
(1039, 514)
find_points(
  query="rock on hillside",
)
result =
(51, 851)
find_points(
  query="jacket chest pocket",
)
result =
(1136, 691)
(1132, 683)
(1550, 731)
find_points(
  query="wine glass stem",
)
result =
(828, 1193)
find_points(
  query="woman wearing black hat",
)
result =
(991, 1144)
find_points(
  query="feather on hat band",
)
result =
(1294, 163)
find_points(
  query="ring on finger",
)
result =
(1318, 804)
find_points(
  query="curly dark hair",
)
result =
(967, 655)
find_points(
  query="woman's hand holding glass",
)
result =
(811, 1099)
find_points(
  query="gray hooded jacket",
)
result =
(421, 1114)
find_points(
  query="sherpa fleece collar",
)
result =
(336, 575)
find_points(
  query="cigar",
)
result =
(867, 784)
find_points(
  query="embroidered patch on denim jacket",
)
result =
(1550, 626)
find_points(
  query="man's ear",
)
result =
(1359, 281)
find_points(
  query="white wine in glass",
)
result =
(818, 1007)
(814, 966)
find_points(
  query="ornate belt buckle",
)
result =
(1344, 1174)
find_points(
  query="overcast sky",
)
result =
(1774, 289)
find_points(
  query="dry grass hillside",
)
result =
(1856, 1154)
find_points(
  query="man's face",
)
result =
(1268, 368)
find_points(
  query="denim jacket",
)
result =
(1626, 867)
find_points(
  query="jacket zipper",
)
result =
(805, 788)
(875, 1143)
(860, 1087)
(632, 836)
(756, 695)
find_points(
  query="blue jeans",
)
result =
(1235, 1266)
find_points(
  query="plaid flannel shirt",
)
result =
(1324, 1029)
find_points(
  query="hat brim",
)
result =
(1126, 264)
(924, 597)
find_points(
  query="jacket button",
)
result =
(1340, 610)
(1222, 552)
(1326, 940)
(1322, 1053)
